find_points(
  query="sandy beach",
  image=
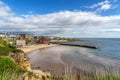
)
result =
(35, 47)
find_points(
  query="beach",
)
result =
(34, 47)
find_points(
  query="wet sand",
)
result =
(62, 59)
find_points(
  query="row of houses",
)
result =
(25, 39)
(21, 40)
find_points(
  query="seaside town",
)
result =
(22, 40)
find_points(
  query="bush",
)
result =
(17, 51)
(4, 51)
(11, 46)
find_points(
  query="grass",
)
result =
(10, 75)
(6, 47)
(9, 70)
(7, 64)
(88, 72)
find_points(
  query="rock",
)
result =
(21, 59)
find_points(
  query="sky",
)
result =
(65, 18)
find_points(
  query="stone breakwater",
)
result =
(76, 45)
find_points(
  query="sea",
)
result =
(107, 47)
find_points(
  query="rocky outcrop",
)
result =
(23, 61)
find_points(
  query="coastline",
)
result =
(36, 47)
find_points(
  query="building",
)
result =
(23, 40)
(25, 36)
(43, 40)
(2, 35)
(7, 35)
(21, 43)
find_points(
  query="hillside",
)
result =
(5, 47)
(15, 65)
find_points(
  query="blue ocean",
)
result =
(107, 47)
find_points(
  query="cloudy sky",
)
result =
(68, 18)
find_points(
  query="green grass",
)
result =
(10, 75)
(9, 70)
(7, 64)
(5, 48)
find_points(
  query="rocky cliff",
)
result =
(22, 60)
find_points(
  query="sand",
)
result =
(36, 47)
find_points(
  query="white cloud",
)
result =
(64, 23)
(5, 10)
(102, 6)
(113, 30)
(105, 7)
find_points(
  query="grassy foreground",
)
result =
(9, 70)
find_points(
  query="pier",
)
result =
(86, 46)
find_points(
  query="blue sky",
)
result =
(48, 6)
(69, 18)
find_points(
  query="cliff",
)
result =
(21, 59)
(15, 65)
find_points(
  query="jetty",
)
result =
(86, 46)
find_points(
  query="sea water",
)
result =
(107, 47)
